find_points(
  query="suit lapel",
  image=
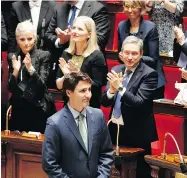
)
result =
(141, 29)
(64, 16)
(85, 9)
(26, 10)
(135, 76)
(70, 121)
(43, 12)
(90, 121)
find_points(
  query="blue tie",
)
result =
(74, 8)
(117, 106)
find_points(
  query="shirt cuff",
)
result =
(31, 70)
(57, 43)
(182, 42)
(110, 95)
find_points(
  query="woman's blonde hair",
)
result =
(92, 41)
(136, 4)
(26, 26)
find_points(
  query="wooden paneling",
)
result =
(28, 164)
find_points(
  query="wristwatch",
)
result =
(120, 88)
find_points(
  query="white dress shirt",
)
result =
(76, 113)
(35, 12)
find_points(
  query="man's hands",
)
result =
(115, 81)
(64, 36)
(179, 35)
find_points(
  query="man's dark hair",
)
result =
(71, 80)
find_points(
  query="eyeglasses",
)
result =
(133, 7)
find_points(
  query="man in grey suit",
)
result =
(77, 142)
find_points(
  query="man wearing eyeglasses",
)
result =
(130, 92)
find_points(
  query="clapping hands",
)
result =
(69, 67)
(16, 63)
(115, 81)
(179, 35)
(64, 36)
(27, 61)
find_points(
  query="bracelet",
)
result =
(31, 71)
(149, 6)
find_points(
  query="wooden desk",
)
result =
(21, 156)
(125, 164)
(171, 109)
(162, 168)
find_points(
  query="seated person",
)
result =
(28, 72)
(147, 31)
(83, 54)
(180, 50)
(130, 92)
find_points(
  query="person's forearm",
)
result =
(59, 82)
(15, 73)
(171, 7)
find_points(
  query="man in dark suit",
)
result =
(147, 31)
(97, 11)
(180, 50)
(66, 12)
(131, 98)
(77, 141)
(40, 12)
(4, 39)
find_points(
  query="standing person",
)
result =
(147, 31)
(83, 54)
(180, 50)
(165, 14)
(131, 98)
(77, 142)
(62, 21)
(4, 39)
(39, 12)
(28, 71)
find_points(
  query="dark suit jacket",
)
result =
(92, 9)
(136, 106)
(31, 103)
(149, 34)
(95, 66)
(4, 39)
(177, 49)
(21, 12)
(35, 84)
(64, 153)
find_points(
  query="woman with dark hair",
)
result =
(28, 72)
